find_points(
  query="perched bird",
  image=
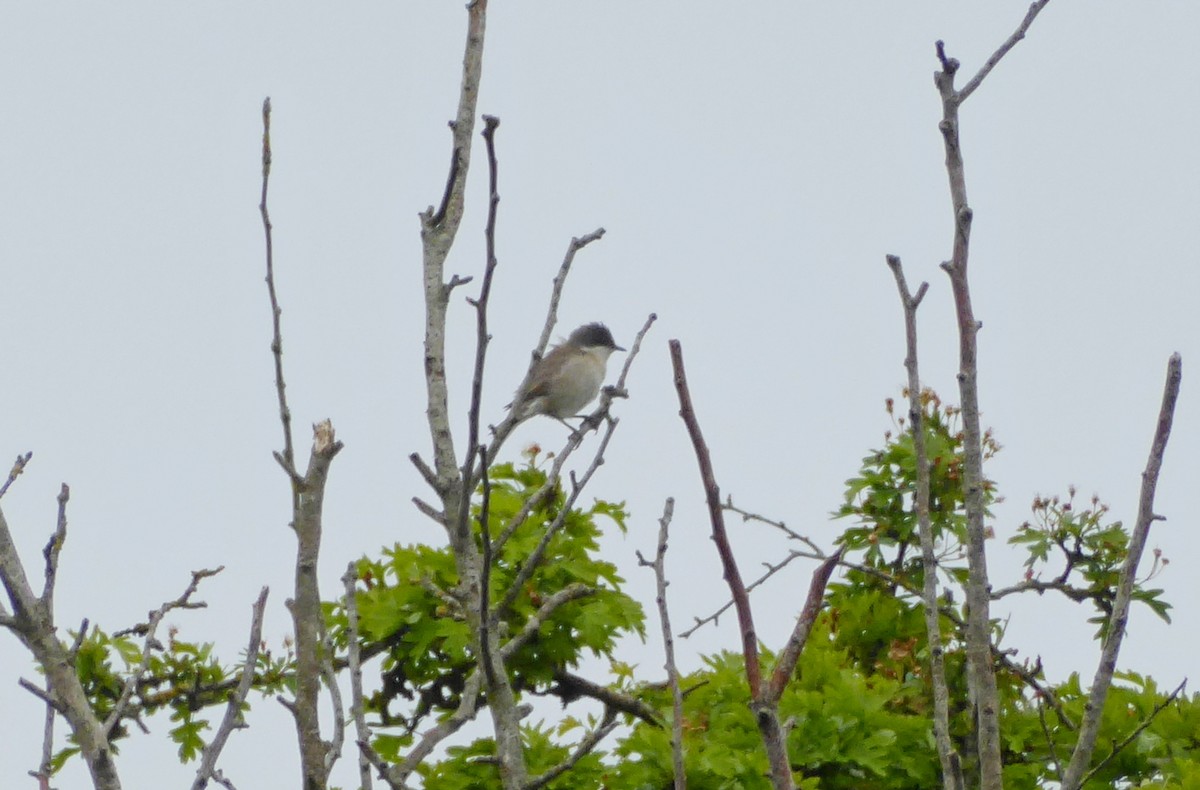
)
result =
(569, 377)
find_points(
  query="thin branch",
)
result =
(43, 694)
(779, 525)
(987, 67)
(712, 493)
(664, 617)
(147, 631)
(45, 768)
(513, 419)
(577, 243)
(572, 592)
(362, 734)
(438, 231)
(329, 675)
(785, 666)
(951, 762)
(581, 750)
(531, 562)
(468, 705)
(772, 569)
(1094, 709)
(285, 414)
(233, 710)
(1131, 737)
(486, 621)
(569, 686)
(17, 468)
(307, 615)
(54, 547)
(482, 338)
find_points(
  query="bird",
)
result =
(568, 378)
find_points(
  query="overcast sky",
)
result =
(752, 163)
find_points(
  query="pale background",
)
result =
(753, 164)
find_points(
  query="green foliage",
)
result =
(473, 767)
(1088, 547)
(182, 678)
(409, 611)
(858, 710)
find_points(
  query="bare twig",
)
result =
(285, 414)
(482, 338)
(32, 622)
(531, 562)
(577, 243)
(54, 547)
(779, 525)
(772, 569)
(987, 67)
(233, 710)
(1089, 729)
(510, 422)
(1131, 737)
(660, 599)
(585, 746)
(354, 665)
(785, 666)
(569, 686)
(716, 515)
(763, 701)
(572, 592)
(952, 777)
(45, 769)
(147, 632)
(486, 620)
(17, 468)
(468, 705)
(982, 677)
(438, 231)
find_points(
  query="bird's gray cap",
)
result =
(592, 336)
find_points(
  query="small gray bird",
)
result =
(569, 377)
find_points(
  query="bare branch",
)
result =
(54, 548)
(534, 559)
(672, 670)
(468, 705)
(285, 414)
(987, 67)
(147, 631)
(32, 622)
(569, 686)
(362, 734)
(951, 762)
(560, 280)
(572, 592)
(43, 694)
(482, 338)
(333, 749)
(1094, 709)
(438, 231)
(790, 655)
(981, 672)
(779, 525)
(716, 516)
(1131, 737)
(307, 616)
(582, 749)
(17, 468)
(233, 710)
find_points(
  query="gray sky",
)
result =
(752, 163)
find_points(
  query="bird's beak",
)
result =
(619, 348)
